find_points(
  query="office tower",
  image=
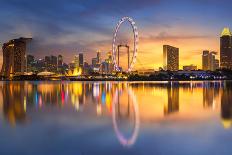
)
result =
(29, 63)
(217, 65)
(60, 61)
(81, 60)
(40, 65)
(98, 57)
(205, 60)
(47, 61)
(14, 57)
(76, 61)
(226, 49)
(170, 58)
(53, 63)
(94, 61)
(209, 61)
(30, 59)
(212, 61)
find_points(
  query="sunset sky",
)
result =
(68, 27)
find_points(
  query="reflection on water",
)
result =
(131, 110)
(129, 105)
(226, 106)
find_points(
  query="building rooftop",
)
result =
(226, 32)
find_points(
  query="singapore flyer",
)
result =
(135, 44)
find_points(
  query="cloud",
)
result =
(164, 36)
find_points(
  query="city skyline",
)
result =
(158, 24)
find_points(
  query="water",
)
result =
(97, 118)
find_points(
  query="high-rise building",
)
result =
(54, 63)
(98, 57)
(212, 61)
(29, 63)
(170, 58)
(81, 59)
(217, 65)
(76, 61)
(60, 61)
(94, 61)
(205, 60)
(226, 49)
(14, 57)
(209, 61)
(47, 61)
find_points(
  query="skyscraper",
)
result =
(54, 63)
(209, 61)
(60, 61)
(81, 59)
(14, 57)
(98, 57)
(30, 61)
(226, 49)
(205, 60)
(170, 58)
(76, 61)
(47, 61)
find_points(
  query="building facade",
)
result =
(190, 68)
(209, 61)
(14, 57)
(170, 58)
(81, 59)
(205, 60)
(226, 49)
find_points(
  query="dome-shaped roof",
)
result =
(226, 32)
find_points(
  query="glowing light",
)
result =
(99, 110)
(114, 48)
(226, 32)
(25, 103)
(226, 123)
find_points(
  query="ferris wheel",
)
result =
(131, 62)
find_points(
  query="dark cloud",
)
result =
(50, 20)
(86, 25)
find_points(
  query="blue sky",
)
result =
(71, 26)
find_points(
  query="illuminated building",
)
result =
(47, 62)
(53, 63)
(205, 60)
(209, 61)
(81, 60)
(107, 65)
(217, 64)
(76, 61)
(14, 57)
(189, 68)
(98, 57)
(29, 63)
(226, 49)
(60, 61)
(170, 58)
(94, 61)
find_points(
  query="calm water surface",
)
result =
(116, 118)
